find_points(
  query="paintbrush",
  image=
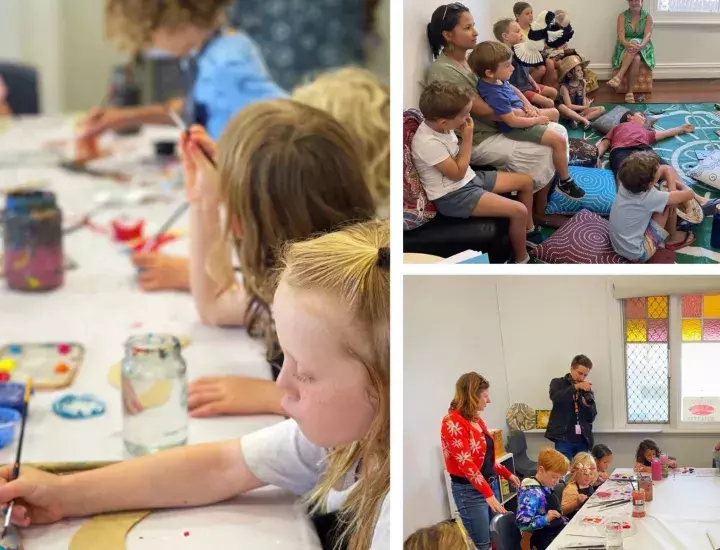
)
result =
(598, 504)
(712, 542)
(184, 206)
(16, 467)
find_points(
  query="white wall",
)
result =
(416, 51)
(682, 51)
(519, 332)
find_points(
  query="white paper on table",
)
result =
(461, 257)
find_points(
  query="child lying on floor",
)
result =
(642, 218)
(519, 120)
(573, 101)
(631, 136)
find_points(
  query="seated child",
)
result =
(573, 102)
(519, 120)
(583, 474)
(603, 457)
(539, 511)
(455, 189)
(5, 109)
(509, 33)
(446, 535)
(647, 450)
(642, 218)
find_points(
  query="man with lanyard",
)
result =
(223, 68)
(573, 410)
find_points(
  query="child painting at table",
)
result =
(583, 474)
(446, 535)
(519, 120)
(647, 450)
(539, 510)
(361, 104)
(603, 458)
(332, 314)
(223, 68)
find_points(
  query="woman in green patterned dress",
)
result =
(634, 29)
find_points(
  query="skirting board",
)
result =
(669, 71)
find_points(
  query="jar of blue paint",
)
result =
(9, 421)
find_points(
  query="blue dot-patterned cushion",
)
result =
(599, 187)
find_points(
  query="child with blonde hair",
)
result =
(357, 99)
(285, 171)
(580, 486)
(539, 511)
(446, 535)
(332, 315)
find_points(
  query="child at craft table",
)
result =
(603, 458)
(579, 488)
(335, 449)
(223, 68)
(646, 451)
(539, 511)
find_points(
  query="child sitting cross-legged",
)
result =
(583, 473)
(443, 165)
(539, 511)
(574, 103)
(519, 120)
(643, 218)
(508, 32)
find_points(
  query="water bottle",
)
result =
(154, 393)
(33, 241)
(656, 469)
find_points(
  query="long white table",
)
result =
(100, 306)
(684, 508)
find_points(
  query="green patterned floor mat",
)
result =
(681, 152)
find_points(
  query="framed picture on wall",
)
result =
(542, 417)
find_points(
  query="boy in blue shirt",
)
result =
(519, 120)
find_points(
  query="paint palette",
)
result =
(51, 366)
(12, 540)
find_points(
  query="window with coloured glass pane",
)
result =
(647, 360)
(700, 358)
(648, 339)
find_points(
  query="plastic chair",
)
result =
(23, 84)
(504, 533)
(559, 488)
(517, 445)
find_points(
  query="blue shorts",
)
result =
(461, 202)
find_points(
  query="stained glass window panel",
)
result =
(691, 330)
(711, 330)
(711, 306)
(657, 330)
(636, 330)
(636, 308)
(657, 307)
(692, 306)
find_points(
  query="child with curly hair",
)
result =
(224, 69)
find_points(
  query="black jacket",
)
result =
(562, 417)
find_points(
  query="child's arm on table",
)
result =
(456, 168)
(216, 306)
(684, 129)
(185, 476)
(642, 468)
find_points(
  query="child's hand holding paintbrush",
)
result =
(202, 181)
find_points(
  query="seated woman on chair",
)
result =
(5, 109)
(634, 30)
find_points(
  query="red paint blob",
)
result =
(63, 349)
(4, 376)
(186, 533)
(702, 410)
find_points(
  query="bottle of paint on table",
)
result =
(638, 502)
(646, 484)
(33, 241)
(154, 394)
(656, 469)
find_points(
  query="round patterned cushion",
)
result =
(599, 187)
(520, 417)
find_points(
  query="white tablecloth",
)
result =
(684, 508)
(100, 306)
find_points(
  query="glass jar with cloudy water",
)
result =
(154, 394)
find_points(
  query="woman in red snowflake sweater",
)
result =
(469, 454)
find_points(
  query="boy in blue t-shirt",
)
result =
(519, 120)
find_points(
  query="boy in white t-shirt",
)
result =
(454, 188)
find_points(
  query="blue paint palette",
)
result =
(75, 407)
(11, 396)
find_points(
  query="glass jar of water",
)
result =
(154, 394)
(613, 535)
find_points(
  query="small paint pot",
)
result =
(9, 421)
(127, 229)
(165, 149)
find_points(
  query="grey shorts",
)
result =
(461, 203)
